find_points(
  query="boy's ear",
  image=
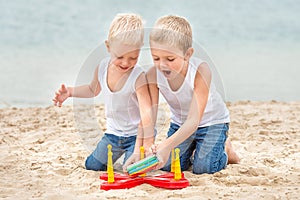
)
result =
(188, 54)
(107, 46)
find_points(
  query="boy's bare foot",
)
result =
(233, 158)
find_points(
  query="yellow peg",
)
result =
(173, 161)
(142, 156)
(110, 168)
(142, 150)
(177, 169)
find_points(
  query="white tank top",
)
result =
(121, 107)
(179, 101)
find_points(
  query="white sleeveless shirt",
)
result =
(179, 101)
(121, 107)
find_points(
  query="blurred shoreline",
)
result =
(254, 45)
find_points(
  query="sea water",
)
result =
(254, 45)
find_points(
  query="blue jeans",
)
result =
(98, 159)
(204, 149)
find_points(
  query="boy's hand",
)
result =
(61, 95)
(150, 149)
(132, 159)
(162, 154)
(148, 144)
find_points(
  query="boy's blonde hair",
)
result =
(173, 31)
(127, 28)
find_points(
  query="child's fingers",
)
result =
(134, 158)
(158, 166)
(128, 162)
(63, 87)
(148, 153)
(160, 162)
(125, 169)
(57, 102)
(54, 101)
(58, 94)
(153, 149)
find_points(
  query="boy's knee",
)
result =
(92, 163)
(204, 166)
(203, 169)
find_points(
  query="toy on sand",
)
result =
(142, 166)
(110, 168)
(136, 174)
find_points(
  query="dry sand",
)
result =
(43, 152)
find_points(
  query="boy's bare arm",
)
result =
(197, 107)
(89, 90)
(144, 100)
(154, 92)
(84, 91)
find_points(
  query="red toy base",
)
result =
(125, 182)
(122, 184)
(117, 176)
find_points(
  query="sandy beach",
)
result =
(43, 152)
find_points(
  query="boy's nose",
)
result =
(162, 64)
(125, 62)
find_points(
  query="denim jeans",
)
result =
(98, 159)
(204, 149)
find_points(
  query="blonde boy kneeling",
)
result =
(199, 117)
(126, 95)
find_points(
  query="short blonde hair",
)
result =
(127, 28)
(174, 31)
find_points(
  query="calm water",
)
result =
(254, 44)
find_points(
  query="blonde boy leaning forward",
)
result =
(126, 95)
(199, 117)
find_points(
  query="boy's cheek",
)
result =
(156, 64)
(134, 63)
(116, 63)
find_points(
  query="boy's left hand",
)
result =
(150, 149)
(132, 159)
